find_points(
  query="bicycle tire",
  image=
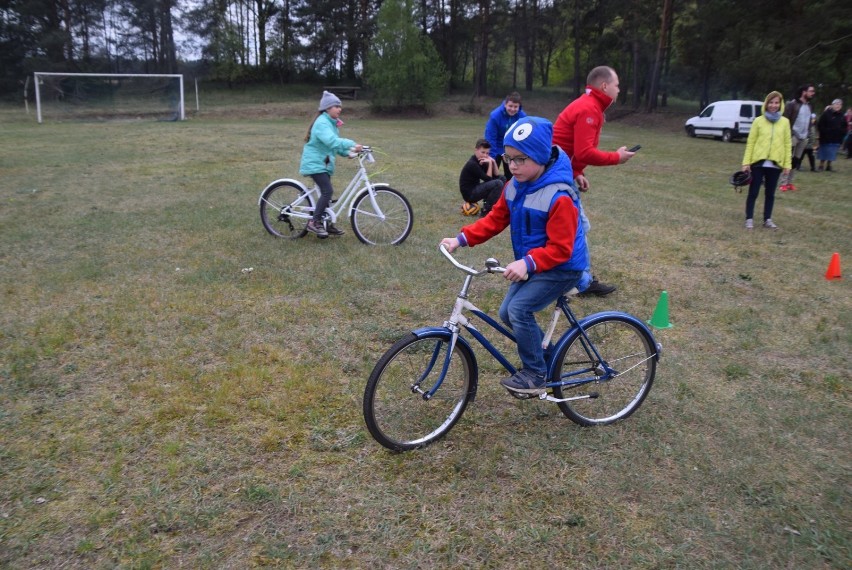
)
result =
(371, 229)
(397, 416)
(624, 346)
(275, 208)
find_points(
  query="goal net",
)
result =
(109, 96)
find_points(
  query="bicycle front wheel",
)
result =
(626, 348)
(389, 225)
(285, 209)
(397, 415)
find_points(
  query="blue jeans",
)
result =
(526, 298)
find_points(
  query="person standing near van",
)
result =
(767, 156)
(577, 131)
(798, 113)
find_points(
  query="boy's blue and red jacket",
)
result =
(544, 216)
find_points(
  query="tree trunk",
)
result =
(660, 57)
(168, 53)
(579, 84)
(481, 80)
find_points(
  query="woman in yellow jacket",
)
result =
(767, 155)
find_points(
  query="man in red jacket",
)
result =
(578, 131)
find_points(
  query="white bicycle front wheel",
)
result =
(384, 219)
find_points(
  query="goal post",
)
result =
(133, 101)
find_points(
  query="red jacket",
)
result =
(577, 131)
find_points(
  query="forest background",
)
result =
(698, 50)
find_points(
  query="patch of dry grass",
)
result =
(161, 408)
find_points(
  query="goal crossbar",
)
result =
(37, 74)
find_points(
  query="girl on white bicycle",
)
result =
(322, 143)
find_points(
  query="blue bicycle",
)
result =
(599, 371)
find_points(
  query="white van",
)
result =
(727, 120)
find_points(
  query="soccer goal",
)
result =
(109, 96)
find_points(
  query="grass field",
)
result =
(162, 408)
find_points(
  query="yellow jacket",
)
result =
(769, 141)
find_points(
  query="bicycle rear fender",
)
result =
(447, 335)
(596, 317)
(298, 183)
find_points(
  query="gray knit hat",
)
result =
(328, 100)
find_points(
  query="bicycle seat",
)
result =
(584, 283)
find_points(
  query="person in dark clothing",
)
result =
(832, 129)
(480, 178)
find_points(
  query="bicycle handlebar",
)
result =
(366, 152)
(491, 264)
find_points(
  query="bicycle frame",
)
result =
(457, 321)
(360, 183)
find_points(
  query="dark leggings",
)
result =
(489, 192)
(758, 175)
(809, 152)
(323, 180)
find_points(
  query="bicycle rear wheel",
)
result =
(396, 414)
(285, 209)
(391, 227)
(626, 348)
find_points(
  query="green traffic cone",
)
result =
(660, 319)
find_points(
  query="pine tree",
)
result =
(404, 70)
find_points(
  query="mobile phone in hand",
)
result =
(635, 148)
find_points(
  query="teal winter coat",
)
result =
(325, 142)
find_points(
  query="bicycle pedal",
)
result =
(522, 396)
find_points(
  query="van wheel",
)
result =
(727, 135)
(690, 131)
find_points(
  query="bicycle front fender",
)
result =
(363, 191)
(442, 332)
(298, 183)
(446, 335)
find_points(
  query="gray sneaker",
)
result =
(769, 224)
(316, 227)
(333, 230)
(525, 382)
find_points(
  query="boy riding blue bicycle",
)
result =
(541, 206)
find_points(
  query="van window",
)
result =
(706, 112)
(757, 110)
(746, 111)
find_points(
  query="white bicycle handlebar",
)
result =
(491, 264)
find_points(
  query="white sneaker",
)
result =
(770, 224)
(749, 224)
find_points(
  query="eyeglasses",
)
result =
(518, 160)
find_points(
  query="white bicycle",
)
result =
(378, 214)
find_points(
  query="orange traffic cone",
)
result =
(834, 268)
